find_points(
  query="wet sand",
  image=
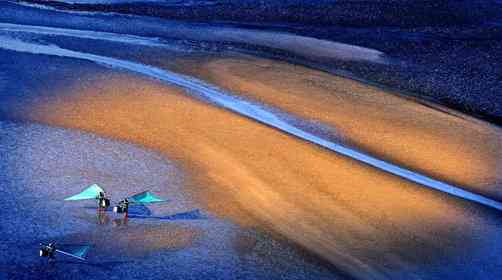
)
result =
(41, 165)
(367, 223)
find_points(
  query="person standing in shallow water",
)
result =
(103, 201)
(48, 250)
(123, 207)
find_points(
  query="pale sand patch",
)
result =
(299, 45)
(463, 151)
(368, 223)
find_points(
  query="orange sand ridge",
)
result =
(460, 150)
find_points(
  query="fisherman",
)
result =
(122, 207)
(103, 201)
(48, 250)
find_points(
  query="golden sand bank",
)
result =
(452, 147)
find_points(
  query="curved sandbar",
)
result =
(210, 93)
(359, 218)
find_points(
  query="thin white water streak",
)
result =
(85, 34)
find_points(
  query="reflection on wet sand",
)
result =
(366, 222)
(134, 240)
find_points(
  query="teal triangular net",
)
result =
(145, 197)
(90, 192)
(79, 251)
(76, 251)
